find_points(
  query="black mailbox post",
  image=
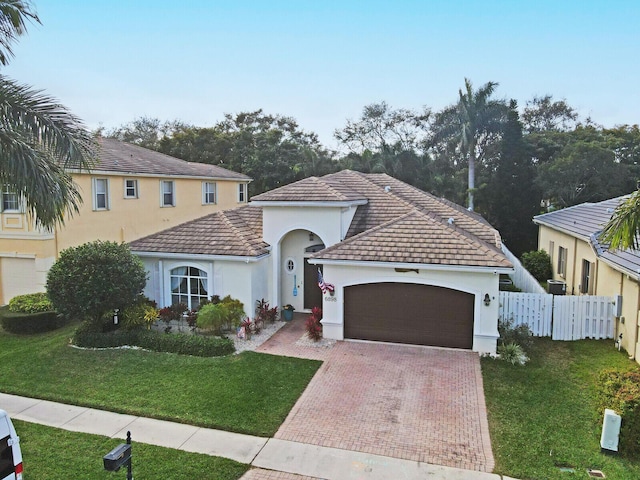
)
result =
(118, 457)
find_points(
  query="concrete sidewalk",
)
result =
(270, 456)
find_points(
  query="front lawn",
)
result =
(248, 393)
(543, 416)
(53, 454)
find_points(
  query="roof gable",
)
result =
(417, 238)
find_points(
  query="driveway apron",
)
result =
(415, 403)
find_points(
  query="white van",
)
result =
(10, 454)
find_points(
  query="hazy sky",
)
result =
(322, 61)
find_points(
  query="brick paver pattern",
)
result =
(415, 403)
(261, 474)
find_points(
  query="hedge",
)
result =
(28, 323)
(620, 391)
(31, 303)
(179, 343)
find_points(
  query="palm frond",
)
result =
(621, 231)
(13, 17)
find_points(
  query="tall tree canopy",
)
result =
(39, 138)
(470, 124)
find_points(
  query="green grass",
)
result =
(248, 393)
(544, 415)
(53, 454)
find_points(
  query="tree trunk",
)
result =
(472, 181)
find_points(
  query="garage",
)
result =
(409, 313)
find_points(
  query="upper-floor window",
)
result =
(10, 199)
(552, 247)
(101, 194)
(168, 193)
(562, 262)
(130, 188)
(208, 193)
(242, 192)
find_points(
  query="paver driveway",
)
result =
(416, 403)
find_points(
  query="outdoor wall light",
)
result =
(311, 236)
(487, 299)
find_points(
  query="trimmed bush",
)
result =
(538, 263)
(520, 335)
(31, 303)
(620, 391)
(29, 323)
(179, 343)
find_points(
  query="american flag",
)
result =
(325, 287)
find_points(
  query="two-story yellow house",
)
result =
(130, 192)
(570, 237)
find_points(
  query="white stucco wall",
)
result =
(485, 329)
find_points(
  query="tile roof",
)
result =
(586, 221)
(236, 232)
(398, 223)
(120, 157)
(419, 238)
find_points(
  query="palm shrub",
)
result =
(512, 353)
(221, 316)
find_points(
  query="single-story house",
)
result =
(407, 267)
(571, 238)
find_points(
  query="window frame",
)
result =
(163, 193)
(188, 277)
(8, 191)
(588, 270)
(134, 186)
(242, 193)
(206, 193)
(562, 261)
(107, 197)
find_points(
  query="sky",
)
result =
(322, 61)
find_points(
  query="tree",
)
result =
(470, 123)
(512, 196)
(146, 132)
(542, 114)
(95, 278)
(39, 138)
(272, 149)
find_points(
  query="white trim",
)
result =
(27, 236)
(243, 190)
(425, 266)
(197, 257)
(136, 187)
(173, 193)
(205, 201)
(17, 255)
(94, 194)
(112, 173)
(341, 204)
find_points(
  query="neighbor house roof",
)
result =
(236, 232)
(124, 158)
(586, 221)
(394, 222)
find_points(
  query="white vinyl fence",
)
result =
(558, 316)
(522, 278)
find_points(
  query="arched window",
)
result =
(189, 285)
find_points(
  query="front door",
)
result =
(312, 293)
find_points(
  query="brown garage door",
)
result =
(409, 313)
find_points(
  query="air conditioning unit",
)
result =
(610, 431)
(556, 287)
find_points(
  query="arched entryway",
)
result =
(299, 278)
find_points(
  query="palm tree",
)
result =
(39, 138)
(473, 117)
(621, 231)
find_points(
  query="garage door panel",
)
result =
(409, 313)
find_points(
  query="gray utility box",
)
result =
(556, 287)
(117, 457)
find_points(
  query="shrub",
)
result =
(512, 353)
(183, 344)
(28, 323)
(94, 279)
(226, 314)
(264, 313)
(620, 391)
(140, 314)
(538, 263)
(520, 335)
(31, 303)
(313, 325)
